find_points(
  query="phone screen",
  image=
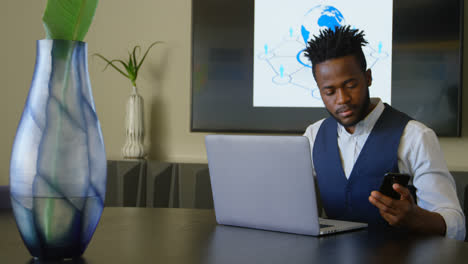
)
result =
(389, 179)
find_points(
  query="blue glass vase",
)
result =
(58, 162)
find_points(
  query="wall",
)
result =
(164, 81)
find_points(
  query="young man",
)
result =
(364, 138)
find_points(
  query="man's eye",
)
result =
(350, 85)
(329, 92)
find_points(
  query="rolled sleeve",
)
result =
(454, 222)
(422, 157)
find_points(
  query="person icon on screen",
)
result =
(364, 138)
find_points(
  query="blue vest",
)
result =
(348, 199)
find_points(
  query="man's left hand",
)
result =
(395, 212)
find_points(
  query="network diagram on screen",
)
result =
(283, 75)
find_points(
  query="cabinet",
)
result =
(147, 183)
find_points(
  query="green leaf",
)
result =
(68, 19)
(132, 65)
(111, 63)
(146, 53)
(135, 49)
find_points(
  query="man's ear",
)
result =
(369, 77)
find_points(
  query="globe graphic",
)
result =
(318, 18)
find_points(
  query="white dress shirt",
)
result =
(419, 155)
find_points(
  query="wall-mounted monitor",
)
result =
(249, 73)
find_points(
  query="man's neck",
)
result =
(371, 107)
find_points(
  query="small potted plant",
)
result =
(134, 121)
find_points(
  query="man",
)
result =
(364, 139)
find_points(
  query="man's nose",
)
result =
(342, 96)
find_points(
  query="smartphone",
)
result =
(389, 179)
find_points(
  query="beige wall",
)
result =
(164, 81)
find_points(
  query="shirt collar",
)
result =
(365, 125)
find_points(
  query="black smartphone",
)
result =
(389, 179)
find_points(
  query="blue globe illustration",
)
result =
(318, 18)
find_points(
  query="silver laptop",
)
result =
(266, 182)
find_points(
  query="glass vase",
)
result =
(58, 162)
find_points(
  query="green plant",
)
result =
(64, 20)
(68, 19)
(132, 65)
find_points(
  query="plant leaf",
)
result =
(135, 49)
(111, 63)
(146, 53)
(131, 64)
(68, 19)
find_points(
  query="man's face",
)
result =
(344, 89)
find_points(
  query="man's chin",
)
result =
(347, 123)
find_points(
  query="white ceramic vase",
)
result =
(134, 127)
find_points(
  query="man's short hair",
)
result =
(335, 43)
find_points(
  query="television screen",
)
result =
(249, 73)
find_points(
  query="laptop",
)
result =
(266, 182)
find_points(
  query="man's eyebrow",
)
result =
(328, 87)
(349, 80)
(344, 83)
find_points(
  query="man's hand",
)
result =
(395, 212)
(406, 213)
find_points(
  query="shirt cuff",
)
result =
(454, 222)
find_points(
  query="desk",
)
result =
(191, 236)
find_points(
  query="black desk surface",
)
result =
(157, 235)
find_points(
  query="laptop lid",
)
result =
(263, 182)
